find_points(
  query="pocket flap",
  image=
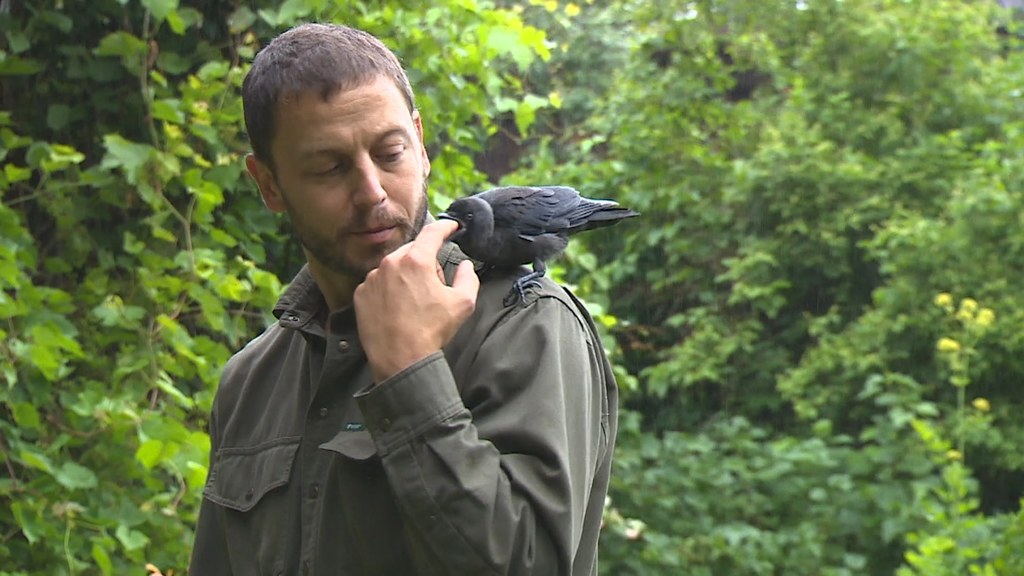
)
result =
(357, 445)
(241, 476)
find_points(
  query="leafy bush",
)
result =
(811, 175)
(136, 256)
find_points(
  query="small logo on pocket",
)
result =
(354, 426)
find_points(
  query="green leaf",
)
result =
(150, 453)
(37, 153)
(241, 19)
(176, 23)
(102, 559)
(526, 112)
(221, 237)
(293, 10)
(61, 22)
(75, 476)
(26, 416)
(164, 382)
(122, 44)
(289, 11)
(45, 359)
(17, 173)
(58, 116)
(54, 336)
(133, 245)
(28, 520)
(173, 63)
(160, 8)
(161, 233)
(113, 312)
(36, 460)
(214, 70)
(196, 474)
(233, 288)
(61, 156)
(129, 156)
(169, 109)
(17, 66)
(17, 41)
(504, 40)
(130, 539)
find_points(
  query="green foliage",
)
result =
(136, 256)
(811, 175)
(814, 322)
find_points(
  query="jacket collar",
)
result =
(303, 302)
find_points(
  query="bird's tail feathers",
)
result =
(605, 217)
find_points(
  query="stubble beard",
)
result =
(330, 251)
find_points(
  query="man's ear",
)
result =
(417, 120)
(266, 182)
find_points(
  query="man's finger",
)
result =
(433, 235)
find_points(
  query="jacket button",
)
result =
(343, 345)
(322, 412)
(249, 494)
(314, 490)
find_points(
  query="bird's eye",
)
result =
(469, 216)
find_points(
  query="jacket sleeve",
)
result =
(210, 549)
(495, 480)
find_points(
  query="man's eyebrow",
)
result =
(396, 131)
(329, 150)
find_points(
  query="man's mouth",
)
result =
(376, 234)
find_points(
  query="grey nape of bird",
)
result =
(514, 225)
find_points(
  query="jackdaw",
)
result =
(515, 225)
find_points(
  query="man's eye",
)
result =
(392, 154)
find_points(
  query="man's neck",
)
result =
(336, 288)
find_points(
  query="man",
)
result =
(397, 419)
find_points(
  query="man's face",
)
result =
(351, 174)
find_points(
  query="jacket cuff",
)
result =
(412, 401)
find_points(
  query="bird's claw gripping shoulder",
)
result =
(519, 287)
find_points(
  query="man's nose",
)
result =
(368, 188)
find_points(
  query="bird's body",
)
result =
(515, 225)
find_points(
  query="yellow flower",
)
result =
(986, 317)
(981, 404)
(955, 455)
(572, 9)
(947, 345)
(944, 300)
(551, 5)
(969, 305)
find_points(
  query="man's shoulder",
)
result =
(497, 290)
(545, 302)
(261, 354)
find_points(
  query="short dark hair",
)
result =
(320, 58)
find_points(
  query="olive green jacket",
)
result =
(491, 457)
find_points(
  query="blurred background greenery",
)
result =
(816, 323)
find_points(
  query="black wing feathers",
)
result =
(530, 210)
(560, 210)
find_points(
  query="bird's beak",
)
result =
(462, 228)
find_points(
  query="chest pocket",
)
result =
(241, 477)
(260, 509)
